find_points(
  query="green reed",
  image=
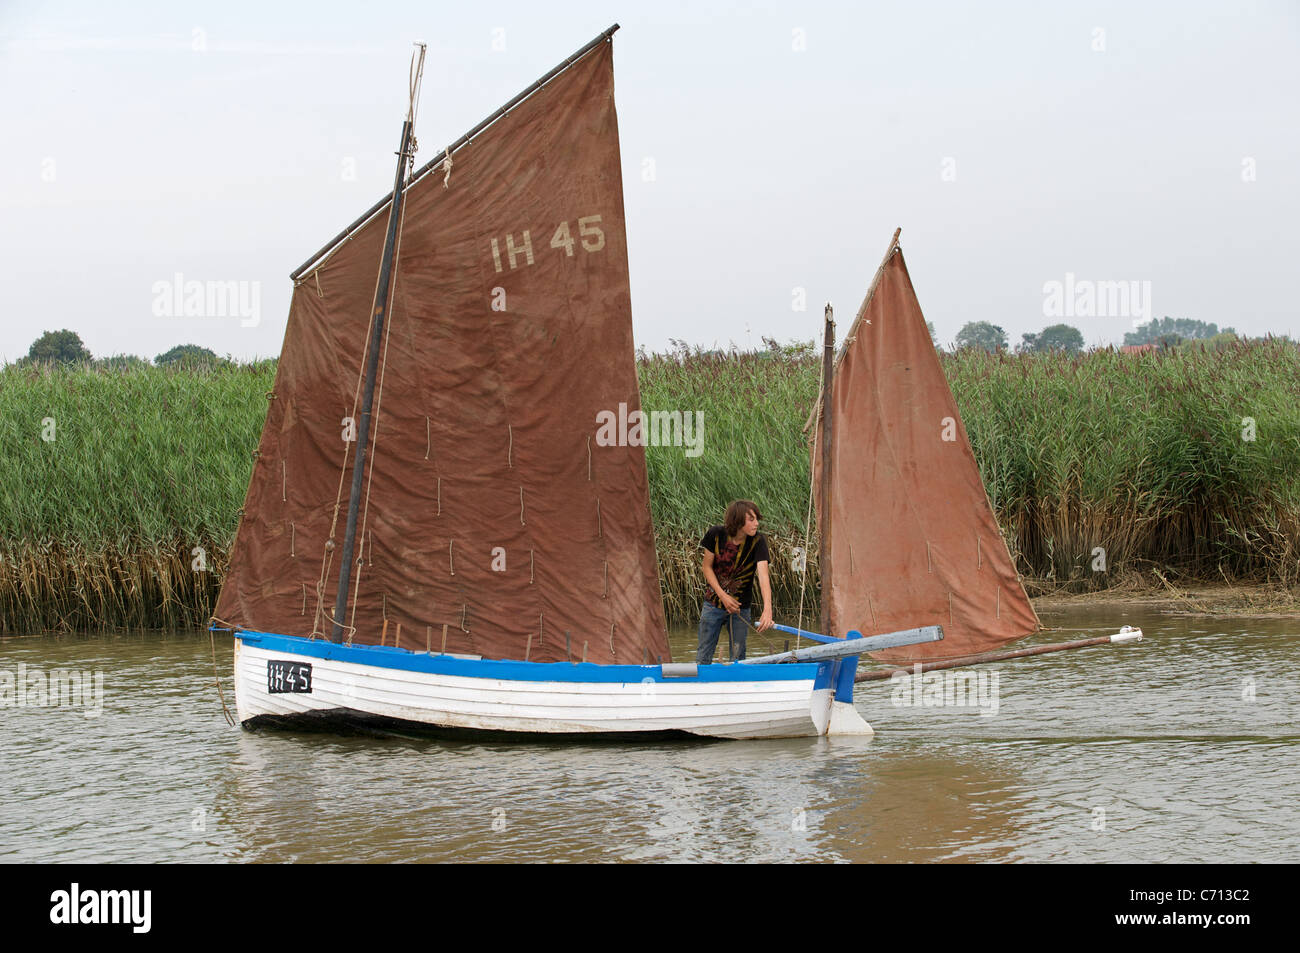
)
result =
(1141, 457)
(113, 479)
(1098, 465)
(1147, 457)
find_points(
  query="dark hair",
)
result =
(737, 513)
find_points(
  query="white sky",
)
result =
(129, 155)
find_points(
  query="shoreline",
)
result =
(1246, 600)
(1197, 600)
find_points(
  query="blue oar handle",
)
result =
(805, 634)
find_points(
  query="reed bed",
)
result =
(113, 478)
(1144, 460)
(1184, 459)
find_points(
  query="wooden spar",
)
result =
(824, 516)
(464, 140)
(379, 312)
(1125, 634)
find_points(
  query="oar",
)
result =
(1126, 634)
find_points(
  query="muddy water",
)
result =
(1181, 748)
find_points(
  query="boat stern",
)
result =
(831, 708)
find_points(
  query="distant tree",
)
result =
(934, 336)
(981, 334)
(121, 362)
(59, 347)
(1223, 339)
(188, 355)
(1167, 329)
(1057, 337)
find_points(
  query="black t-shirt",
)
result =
(734, 565)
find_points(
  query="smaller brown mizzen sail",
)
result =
(914, 541)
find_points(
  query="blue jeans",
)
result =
(711, 621)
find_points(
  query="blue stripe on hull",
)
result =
(382, 656)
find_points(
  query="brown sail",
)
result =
(913, 538)
(491, 516)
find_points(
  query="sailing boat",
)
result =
(492, 567)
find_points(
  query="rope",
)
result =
(761, 635)
(807, 523)
(230, 719)
(327, 558)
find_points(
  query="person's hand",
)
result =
(765, 621)
(730, 602)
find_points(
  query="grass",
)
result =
(1147, 458)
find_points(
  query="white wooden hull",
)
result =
(561, 699)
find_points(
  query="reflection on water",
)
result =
(1180, 749)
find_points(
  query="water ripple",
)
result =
(1179, 749)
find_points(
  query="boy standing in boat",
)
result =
(734, 553)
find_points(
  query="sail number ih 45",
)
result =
(285, 677)
(519, 253)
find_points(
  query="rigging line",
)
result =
(389, 308)
(326, 562)
(767, 641)
(379, 402)
(327, 556)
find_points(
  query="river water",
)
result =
(1180, 748)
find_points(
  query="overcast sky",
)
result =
(1015, 143)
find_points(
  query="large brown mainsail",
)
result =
(913, 539)
(491, 511)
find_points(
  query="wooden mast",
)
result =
(380, 308)
(824, 514)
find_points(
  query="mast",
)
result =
(824, 517)
(404, 156)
